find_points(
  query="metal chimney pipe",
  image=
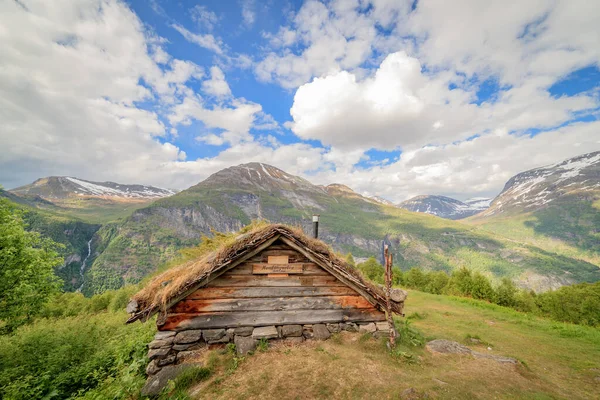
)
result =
(316, 226)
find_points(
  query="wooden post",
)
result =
(388, 288)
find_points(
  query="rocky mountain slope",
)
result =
(55, 188)
(556, 208)
(538, 188)
(128, 250)
(445, 207)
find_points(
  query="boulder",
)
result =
(367, 328)
(444, 346)
(307, 331)
(189, 336)
(132, 307)
(214, 335)
(155, 383)
(161, 335)
(170, 359)
(396, 295)
(349, 326)
(265, 332)
(333, 328)
(152, 368)
(291, 330)
(157, 344)
(243, 331)
(320, 332)
(244, 344)
(156, 353)
(382, 326)
(189, 346)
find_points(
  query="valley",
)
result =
(131, 232)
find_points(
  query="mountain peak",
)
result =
(445, 207)
(62, 187)
(534, 189)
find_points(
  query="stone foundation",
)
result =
(171, 347)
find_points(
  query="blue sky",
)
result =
(392, 98)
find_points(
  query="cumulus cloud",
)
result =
(216, 85)
(364, 74)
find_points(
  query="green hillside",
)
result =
(569, 226)
(90, 354)
(136, 246)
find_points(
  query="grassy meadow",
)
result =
(557, 361)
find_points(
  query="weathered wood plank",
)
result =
(265, 318)
(310, 268)
(266, 292)
(263, 280)
(272, 304)
(295, 268)
(278, 259)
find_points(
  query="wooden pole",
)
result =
(388, 288)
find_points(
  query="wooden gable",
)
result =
(276, 286)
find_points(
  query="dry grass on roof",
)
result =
(212, 253)
(219, 251)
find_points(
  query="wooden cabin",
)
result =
(271, 283)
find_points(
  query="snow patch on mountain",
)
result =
(445, 207)
(111, 189)
(538, 187)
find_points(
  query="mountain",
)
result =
(555, 208)
(381, 200)
(445, 207)
(94, 202)
(126, 251)
(539, 187)
(55, 188)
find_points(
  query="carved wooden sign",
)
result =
(262, 268)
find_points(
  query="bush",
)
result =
(506, 293)
(481, 288)
(62, 358)
(372, 270)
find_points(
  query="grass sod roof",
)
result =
(173, 285)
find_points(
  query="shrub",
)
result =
(372, 270)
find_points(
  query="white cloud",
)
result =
(207, 41)
(205, 18)
(386, 91)
(216, 85)
(248, 12)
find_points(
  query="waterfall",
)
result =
(82, 268)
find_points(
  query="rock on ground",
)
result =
(447, 347)
(320, 332)
(265, 332)
(443, 346)
(244, 344)
(155, 383)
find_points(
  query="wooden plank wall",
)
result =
(240, 298)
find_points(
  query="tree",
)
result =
(27, 264)
(482, 288)
(437, 282)
(372, 270)
(506, 293)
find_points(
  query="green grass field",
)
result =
(557, 361)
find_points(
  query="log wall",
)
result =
(240, 298)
